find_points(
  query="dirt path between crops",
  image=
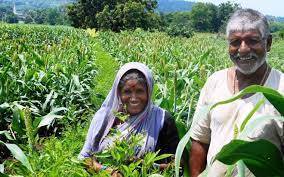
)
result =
(107, 68)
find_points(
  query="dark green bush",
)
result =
(180, 30)
(281, 34)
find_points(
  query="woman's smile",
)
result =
(134, 96)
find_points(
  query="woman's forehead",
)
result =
(131, 83)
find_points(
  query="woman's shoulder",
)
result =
(168, 115)
(168, 118)
(169, 122)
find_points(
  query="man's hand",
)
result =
(197, 159)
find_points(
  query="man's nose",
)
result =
(244, 48)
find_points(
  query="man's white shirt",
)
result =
(217, 127)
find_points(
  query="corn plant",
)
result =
(46, 80)
(45, 69)
(16, 151)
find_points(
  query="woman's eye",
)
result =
(140, 91)
(127, 92)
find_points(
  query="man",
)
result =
(249, 41)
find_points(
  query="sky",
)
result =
(267, 7)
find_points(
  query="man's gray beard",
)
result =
(255, 67)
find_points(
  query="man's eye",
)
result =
(253, 41)
(235, 43)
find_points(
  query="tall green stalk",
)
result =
(29, 127)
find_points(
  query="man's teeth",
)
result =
(245, 58)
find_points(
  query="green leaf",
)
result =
(181, 128)
(273, 96)
(163, 156)
(77, 83)
(276, 100)
(230, 169)
(38, 59)
(3, 175)
(1, 168)
(4, 105)
(261, 157)
(150, 157)
(18, 154)
(185, 141)
(18, 120)
(7, 134)
(180, 148)
(47, 119)
(205, 55)
(252, 124)
(241, 168)
(22, 58)
(249, 116)
(47, 100)
(156, 175)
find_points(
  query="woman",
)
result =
(131, 93)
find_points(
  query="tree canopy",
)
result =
(115, 15)
(207, 17)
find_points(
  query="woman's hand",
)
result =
(93, 165)
(163, 166)
(116, 174)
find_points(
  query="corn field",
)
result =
(52, 80)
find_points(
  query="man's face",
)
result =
(248, 49)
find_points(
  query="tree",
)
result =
(12, 18)
(204, 17)
(115, 15)
(51, 16)
(208, 17)
(224, 12)
(7, 15)
(176, 18)
(177, 24)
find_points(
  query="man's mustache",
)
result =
(250, 56)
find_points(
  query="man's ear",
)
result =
(268, 43)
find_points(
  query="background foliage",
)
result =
(176, 17)
(114, 15)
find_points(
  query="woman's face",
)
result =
(134, 96)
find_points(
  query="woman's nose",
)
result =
(133, 97)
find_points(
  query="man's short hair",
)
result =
(248, 19)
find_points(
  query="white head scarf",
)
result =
(149, 121)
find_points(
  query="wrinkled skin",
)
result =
(248, 50)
